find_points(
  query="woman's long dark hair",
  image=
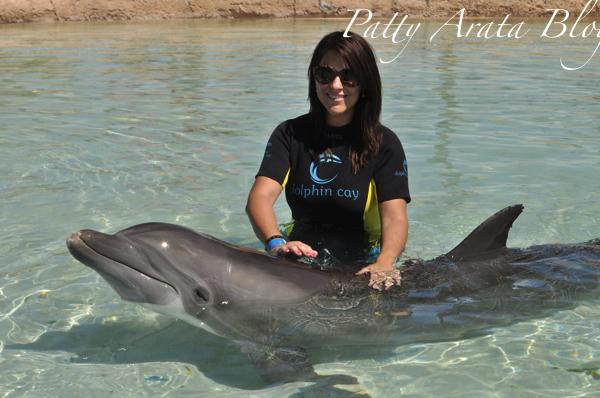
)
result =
(358, 56)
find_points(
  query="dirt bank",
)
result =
(13, 11)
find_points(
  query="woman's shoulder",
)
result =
(388, 137)
(300, 122)
(296, 127)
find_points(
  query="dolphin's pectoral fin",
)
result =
(489, 237)
(279, 364)
(331, 390)
(285, 364)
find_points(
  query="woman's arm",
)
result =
(259, 208)
(394, 230)
(394, 234)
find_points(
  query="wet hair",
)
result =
(360, 59)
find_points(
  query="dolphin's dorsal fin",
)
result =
(488, 237)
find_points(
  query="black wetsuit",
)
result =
(331, 206)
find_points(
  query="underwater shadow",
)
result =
(221, 360)
(130, 342)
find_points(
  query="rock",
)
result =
(13, 11)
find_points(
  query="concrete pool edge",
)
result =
(19, 11)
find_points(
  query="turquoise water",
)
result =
(105, 125)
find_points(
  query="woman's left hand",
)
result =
(383, 276)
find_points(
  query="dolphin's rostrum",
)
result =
(275, 307)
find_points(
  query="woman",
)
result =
(344, 173)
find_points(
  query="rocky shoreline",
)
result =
(17, 11)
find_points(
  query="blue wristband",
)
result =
(273, 242)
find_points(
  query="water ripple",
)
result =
(110, 124)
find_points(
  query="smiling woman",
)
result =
(339, 166)
(338, 89)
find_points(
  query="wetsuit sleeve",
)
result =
(276, 160)
(391, 172)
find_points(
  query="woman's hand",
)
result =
(295, 247)
(383, 276)
(394, 232)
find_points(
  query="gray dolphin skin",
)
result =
(274, 307)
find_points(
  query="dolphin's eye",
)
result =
(202, 294)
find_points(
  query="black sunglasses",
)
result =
(325, 75)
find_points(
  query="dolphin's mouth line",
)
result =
(125, 265)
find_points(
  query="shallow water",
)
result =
(105, 125)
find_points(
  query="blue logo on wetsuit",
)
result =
(319, 191)
(404, 172)
(323, 158)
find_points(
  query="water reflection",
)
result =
(111, 124)
(448, 121)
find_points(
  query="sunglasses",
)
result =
(325, 75)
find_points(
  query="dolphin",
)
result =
(276, 308)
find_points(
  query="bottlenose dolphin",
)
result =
(274, 307)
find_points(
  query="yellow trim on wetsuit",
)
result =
(286, 229)
(285, 180)
(371, 218)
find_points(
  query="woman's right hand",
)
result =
(300, 249)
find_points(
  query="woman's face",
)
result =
(338, 98)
